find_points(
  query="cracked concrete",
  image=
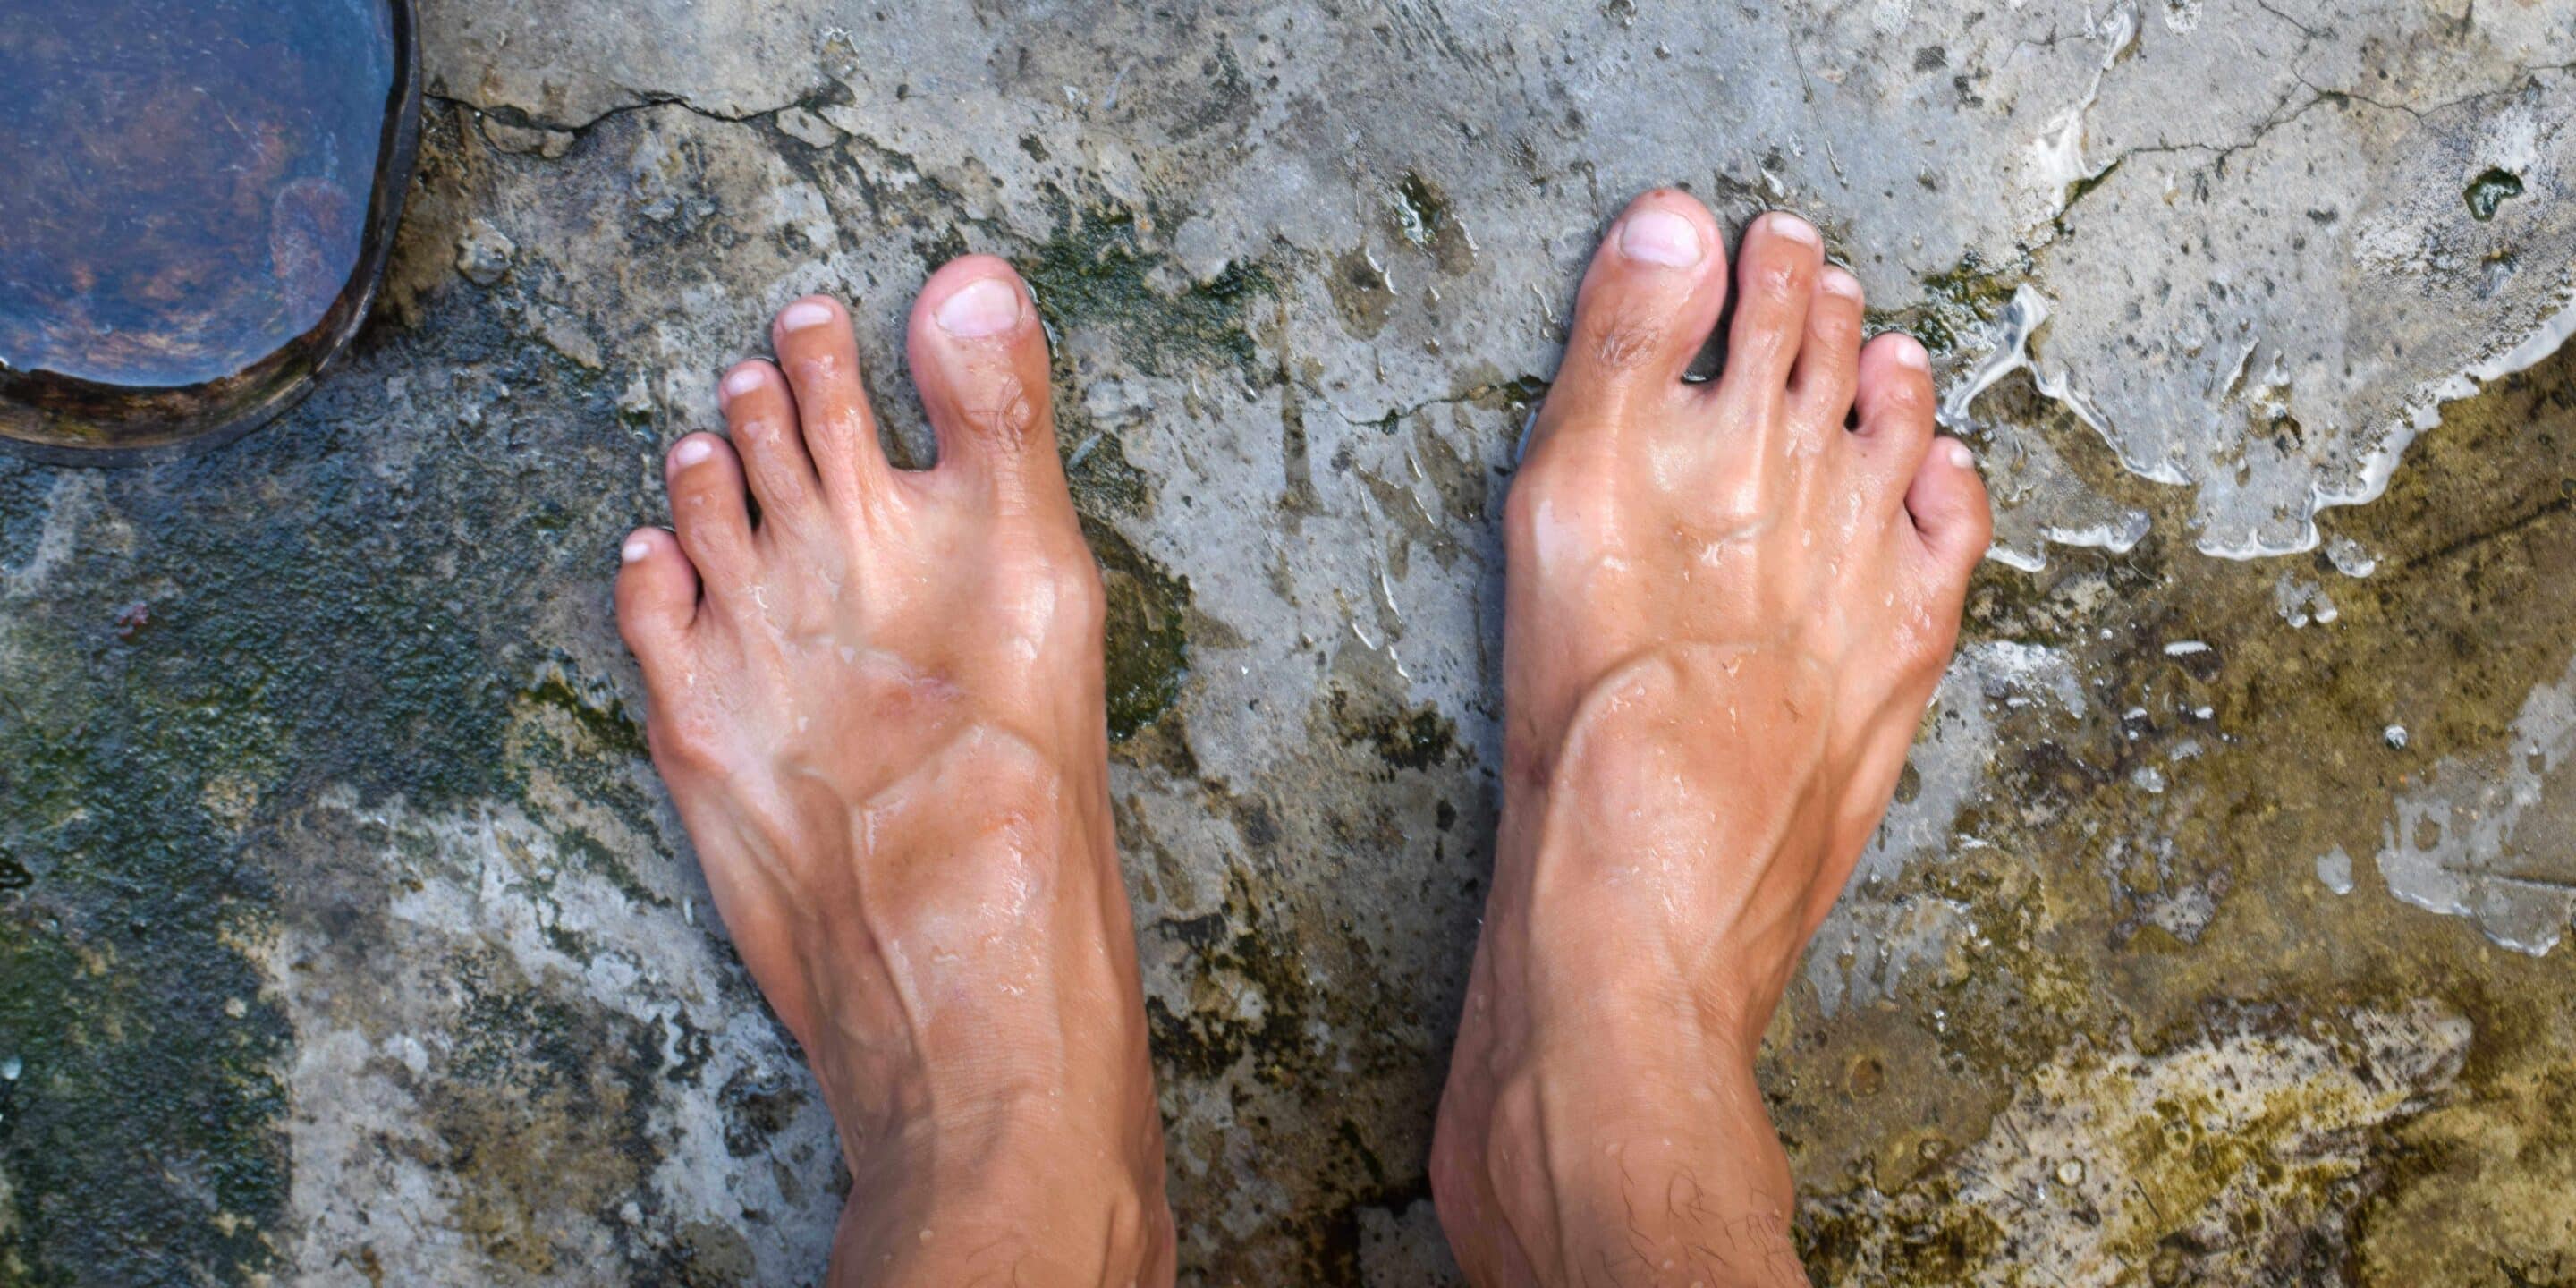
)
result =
(335, 887)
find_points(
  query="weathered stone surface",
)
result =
(340, 890)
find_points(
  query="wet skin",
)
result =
(1724, 615)
(879, 710)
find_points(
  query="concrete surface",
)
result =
(346, 937)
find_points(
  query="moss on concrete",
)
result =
(211, 642)
(1103, 269)
(2079, 867)
(1147, 646)
(1955, 303)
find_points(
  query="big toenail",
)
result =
(985, 307)
(741, 382)
(802, 314)
(1910, 352)
(635, 549)
(1660, 237)
(1794, 228)
(693, 451)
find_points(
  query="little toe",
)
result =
(708, 510)
(819, 355)
(1947, 502)
(1895, 406)
(979, 357)
(1776, 274)
(657, 595)
(760, 418)
(1648, 302)
(1827, 373)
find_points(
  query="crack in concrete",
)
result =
(513, 116)
(1397, 415)
(2511, 526)
(2319, 94)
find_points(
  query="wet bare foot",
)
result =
(879, 710)
(1725, 612)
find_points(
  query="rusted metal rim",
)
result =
(121, 425)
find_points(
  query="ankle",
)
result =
(1012, 1200)
(1605, 946)
(984, 1138)
(1036, 1236)
(1591, 1159)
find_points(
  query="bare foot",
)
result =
(1725, 612)
(879, 710)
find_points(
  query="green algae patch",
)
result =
(1361, 292)
(137, 1098)
(1096, 469)
(194, 654)
(1101, 269)
(573, 742)
(2117, 912)
(1947, 1242)
(1147, 641)
(1252, 1000)
(2231, 1158)
(1104, 271)
(2491, 190)
(1416, 737)
(597, 713)
(1955, 303)
(1425, 218)
(521, 1056)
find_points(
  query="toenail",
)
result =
(1839, 282)
(1660, 237)
(634, 549)
(742, 381)
(1909, 351)
(1794, 228)
(1960, 455)
(693, 451)
(802, 314)
(985, 307)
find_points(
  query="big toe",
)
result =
(979, 357)
(1648, 302)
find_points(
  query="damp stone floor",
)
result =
(2216, 936)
